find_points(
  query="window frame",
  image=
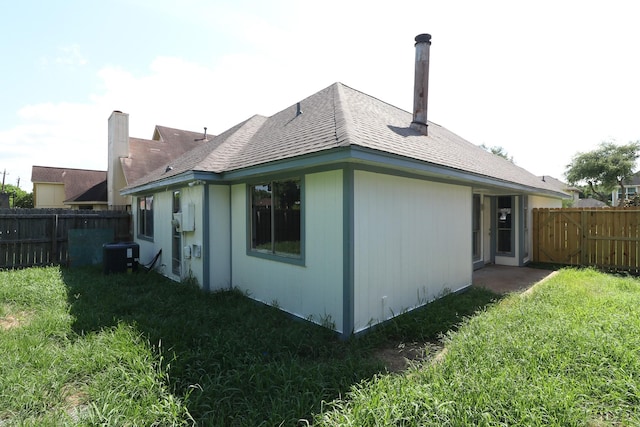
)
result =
(509, 225)
(272, 254)
(143, 224)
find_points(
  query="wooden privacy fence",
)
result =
(33, 237)
(607, 238)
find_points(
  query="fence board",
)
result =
(36, 237)
(599, 237)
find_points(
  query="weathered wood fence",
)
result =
(607, 238)
(33, 237)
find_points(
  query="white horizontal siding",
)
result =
(313, 291)
(412, 240)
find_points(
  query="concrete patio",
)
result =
(503, 279)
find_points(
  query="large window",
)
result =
(145, 216)
(476, 227)
(275, 217)
(176, 239)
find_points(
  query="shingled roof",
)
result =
(145, 155)
(79, 184)
(337, 117)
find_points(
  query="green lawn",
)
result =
(80, 348)
(567, 354)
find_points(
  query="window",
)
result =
(176, 238)
(475, 232)
(276, 217)
(145, 216)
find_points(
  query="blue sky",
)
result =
(543, 79)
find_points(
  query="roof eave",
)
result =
(178, 180)
(350, 154)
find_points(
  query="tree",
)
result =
(498, 151)
(604, 168)
(18, 198)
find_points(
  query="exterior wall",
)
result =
(314, 290)
(192, 266)
(48, 195)
(631, 191)
(220, 237)
(217, 242)
(412, 242)
(161, 234)
(95, 207)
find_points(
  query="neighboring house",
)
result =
(340, 209)
(130, 159)
(631, 187)
(69, 188)
(589, 203)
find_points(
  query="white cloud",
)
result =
(67, 56)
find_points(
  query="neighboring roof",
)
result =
(634, 179)
(341, 117)
(145, 155)
(78, 183)
(557, 184)
(589, 203)
(97, 193)
(177, 136)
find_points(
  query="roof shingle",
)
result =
(340, 116)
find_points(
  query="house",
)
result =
(130, 159)
(69, 188)
(631, 188)
(589, 203)
(340, 209)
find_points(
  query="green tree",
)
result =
(498, 151)
(604, 168)
(18, 198)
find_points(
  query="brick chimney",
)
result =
(421, 84)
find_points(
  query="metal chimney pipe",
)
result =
(421, 84)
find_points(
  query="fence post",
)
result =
(54, 237)
(584, 247)
(535, 255)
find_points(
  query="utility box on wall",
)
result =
(189, 217)
(185, 220)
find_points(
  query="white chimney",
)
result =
(421, 84)
(118, 148)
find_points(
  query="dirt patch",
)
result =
(75, 401)
(13, 320)
(399, 357)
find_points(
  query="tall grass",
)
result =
(568, 354)
(88, 349)
(51, 376)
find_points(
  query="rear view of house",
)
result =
(341, 209)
